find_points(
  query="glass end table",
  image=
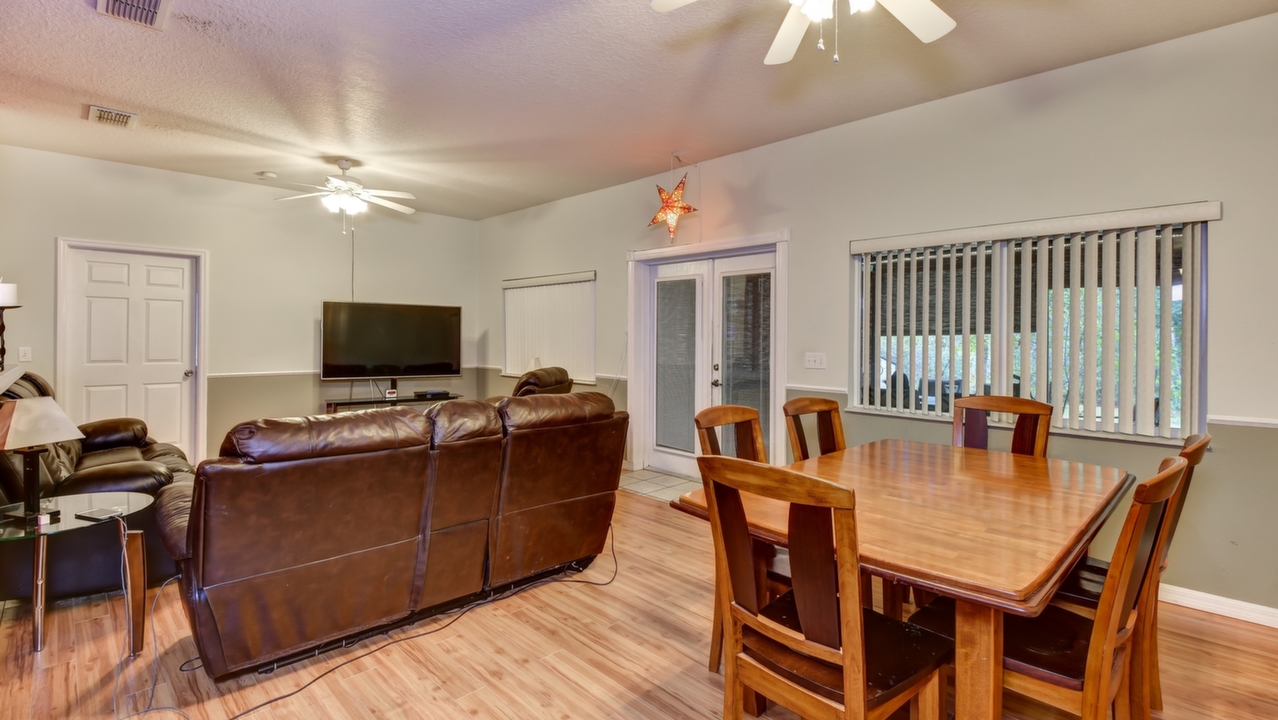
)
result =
(128, 504)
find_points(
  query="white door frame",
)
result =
(639, 321)
(199, 407)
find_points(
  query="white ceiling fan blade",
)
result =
(392, 193)
(317, 187)
(786, 43)
(922, 17)
(664, 6)
(298, 197)
(387, 203)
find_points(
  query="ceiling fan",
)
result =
(346, 193)
(921, 17)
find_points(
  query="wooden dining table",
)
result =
(996, 531)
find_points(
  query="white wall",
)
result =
(1190, 119)
(271, 264)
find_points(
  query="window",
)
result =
(1100, 316)
(550, 321)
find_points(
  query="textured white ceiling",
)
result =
(481, 108)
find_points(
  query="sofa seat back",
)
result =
(306, 530)
(560, 471)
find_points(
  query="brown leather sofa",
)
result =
(309, 530)
(542, 381)
(115, 456)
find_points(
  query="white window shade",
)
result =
(1100, 316)
(550, 322)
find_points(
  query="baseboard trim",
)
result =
(1217, 605)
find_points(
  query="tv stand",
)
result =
(332, 406)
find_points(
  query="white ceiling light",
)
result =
(922, 17)
(346, 193)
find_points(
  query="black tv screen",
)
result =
(371, 340)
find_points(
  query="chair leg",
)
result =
(1152, 676)
(733, 691)
(1125, 700)
(929, 704)
(716, 633)
(892, 595)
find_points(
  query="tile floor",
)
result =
(658, 485)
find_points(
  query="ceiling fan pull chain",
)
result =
(821, 38)
(836, 31)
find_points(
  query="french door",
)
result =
(712, 343)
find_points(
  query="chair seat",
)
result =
(897, 655)
(1051, 647)
(1084, 583)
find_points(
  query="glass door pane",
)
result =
(745, 348)
(676, 366)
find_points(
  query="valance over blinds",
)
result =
(1101, 316)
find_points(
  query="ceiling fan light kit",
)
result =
(921, 17)
(347, 194)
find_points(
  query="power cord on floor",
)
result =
(155, 643)
(460, 613)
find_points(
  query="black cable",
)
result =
(183, 667)
(612, 543)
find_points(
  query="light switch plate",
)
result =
(814, 361)
(24, 354)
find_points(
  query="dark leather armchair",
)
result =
(115, 455)
(542, 381)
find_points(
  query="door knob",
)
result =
(188, 373)
(715, 383)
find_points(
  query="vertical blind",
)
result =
(549, 322)
(1104, 322)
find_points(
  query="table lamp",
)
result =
(27, 425)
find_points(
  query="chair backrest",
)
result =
(1194, 449)
(822, 533)
(1132, 571)
(1029, 437)
(542, 381)
(829, 425)
(748, 432)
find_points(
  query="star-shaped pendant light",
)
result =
(672, 206)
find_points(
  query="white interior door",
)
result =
(129, 341)
(712, 343)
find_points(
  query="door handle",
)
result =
(715, 383)
(188, 373)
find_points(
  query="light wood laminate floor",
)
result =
(633, 649)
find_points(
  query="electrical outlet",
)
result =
(814, 361)
(24, 354)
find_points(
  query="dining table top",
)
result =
(989, 527)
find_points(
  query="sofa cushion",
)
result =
(172, 457)
(172, 515)
(91, 460)
(280, 439)
(544, 411)
(458, 420)
(137, 476)
(112, 433)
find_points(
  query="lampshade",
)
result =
(28, 422)
(8, 295)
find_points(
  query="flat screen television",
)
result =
(370, 341)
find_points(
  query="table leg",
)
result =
(978, 660)
(38, 564)
(135, 591)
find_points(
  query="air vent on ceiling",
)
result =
(151, 13)
(107, 116)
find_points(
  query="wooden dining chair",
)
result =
(1029, 437)
(749, 445)
(813, 649)
(829, 423)
(1081, 591)
(1084, 665)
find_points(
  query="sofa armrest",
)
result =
(138, 476)
(112, 433)
(172, 516)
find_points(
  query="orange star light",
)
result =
(672, 206)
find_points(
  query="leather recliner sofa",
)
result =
(309, 530)
(115, 455)
(542, 381)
